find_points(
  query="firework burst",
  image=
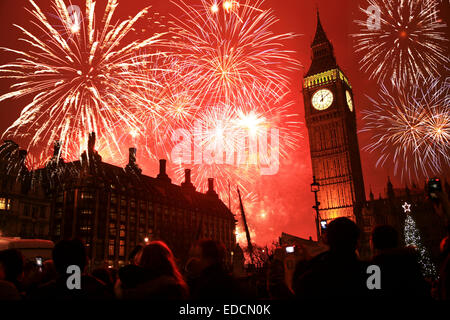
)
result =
(240, 143)
(231, 52)
(215, 132)
(228, 75)
(164, 102)
(72, 81)
(407, 43)
(411, 128)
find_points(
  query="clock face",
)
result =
(349, 100)
(322, 99)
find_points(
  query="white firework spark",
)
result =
(411, 128)
(73, 81)
(407, 44)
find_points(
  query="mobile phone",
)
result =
(290, 249)
(39, 261)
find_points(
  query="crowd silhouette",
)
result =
(152, 273)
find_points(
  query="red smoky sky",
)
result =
(289, 190)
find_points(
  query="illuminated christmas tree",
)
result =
(412, 238)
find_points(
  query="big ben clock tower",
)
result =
(331, 122)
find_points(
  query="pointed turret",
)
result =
(320, 36)
(390, 189)
(323, 58)
(407, 191)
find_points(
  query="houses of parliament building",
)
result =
(111, 209)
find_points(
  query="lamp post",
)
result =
(315, 187)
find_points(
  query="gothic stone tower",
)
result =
(331, 122)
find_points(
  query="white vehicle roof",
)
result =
(17, 243)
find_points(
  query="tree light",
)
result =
(412, 238)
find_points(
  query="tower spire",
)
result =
(322, 51)
(320, 36)
(325, 81)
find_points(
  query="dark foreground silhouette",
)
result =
(153, 273)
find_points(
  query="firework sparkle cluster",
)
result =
(215, 65)
(411, 128)
(404, 47)
(70, 77)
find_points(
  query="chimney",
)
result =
(187, 176)
(92, 155)
(211, 187)
(162, 170)
(371, 195)
(187, 184)
(91, 143)
(56, 149)
(210, 184)
(162, 167)
(132, 156)
(132, 166)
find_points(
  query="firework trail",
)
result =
(227, 74)
(164, 102)
(217, 65)
(411, 128)
(214, 132)
(231, 52)
(237, 144)
(72, 81)
(409, 42)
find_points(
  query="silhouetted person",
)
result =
(12, 265)
(276, 282)
(132, 274)
(48, 271)
(67, 253)
(336, 273)
(37, 276)
(214, 281)
(161, 279)
(8, 291)
(32, 276)
(444, 270)
(192, 271)
(401, 274)
(105, 277)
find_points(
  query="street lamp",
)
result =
(315, 187)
